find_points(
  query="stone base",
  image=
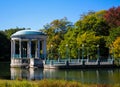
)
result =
(17, 62)
(31, 62)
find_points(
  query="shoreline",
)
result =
(50, 83)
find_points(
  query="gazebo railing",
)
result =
(79, 61)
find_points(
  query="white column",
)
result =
(19, 48)
(38, 51)
(44, 48)
(29, 49)
(11, 48)
(14, 48)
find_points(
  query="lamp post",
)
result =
(113, 55)
(112, 52)
(70, 53)
(98, 52)
(51, 51)
(87, 53)
(82, 52)
(48, 55)
(58, 54)
(109, 56)
(67, 51)
(78, 53)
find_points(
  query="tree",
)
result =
(9, 32)
(114, 33)
(112, 16)
(5, 43)
(94, 22)
(74, 42)
(116, 46)
(90, 42)
(55, 31)
(4, 46)
(69, 44)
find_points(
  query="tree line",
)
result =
(92, 31)
(5, 43)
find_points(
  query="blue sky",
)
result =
(35, 14)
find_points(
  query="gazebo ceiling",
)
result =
(27, 32)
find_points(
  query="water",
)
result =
(102, 76)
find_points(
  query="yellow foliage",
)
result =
(116, 45)
(88, 38)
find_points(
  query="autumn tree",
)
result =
(116, 48)
(112, 16)
(114, 33)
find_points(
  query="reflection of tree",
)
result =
(5, 73)
(96, 76)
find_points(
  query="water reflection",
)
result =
(108, 76)
(29, 74)
(84, 76)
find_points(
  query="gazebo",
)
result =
(28, 48)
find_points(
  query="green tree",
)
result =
(9, 32)
(55, 31)
(5, 47)
(90, 42)
(93, 22)
(5, 43)
(114, 33)
(69, 44)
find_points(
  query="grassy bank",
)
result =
(49, 83)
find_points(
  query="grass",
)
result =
(49, 83)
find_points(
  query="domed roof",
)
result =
(27, 32)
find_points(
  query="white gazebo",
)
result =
(28, 48)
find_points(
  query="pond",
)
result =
(102, 76)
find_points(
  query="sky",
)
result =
(35, 14)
